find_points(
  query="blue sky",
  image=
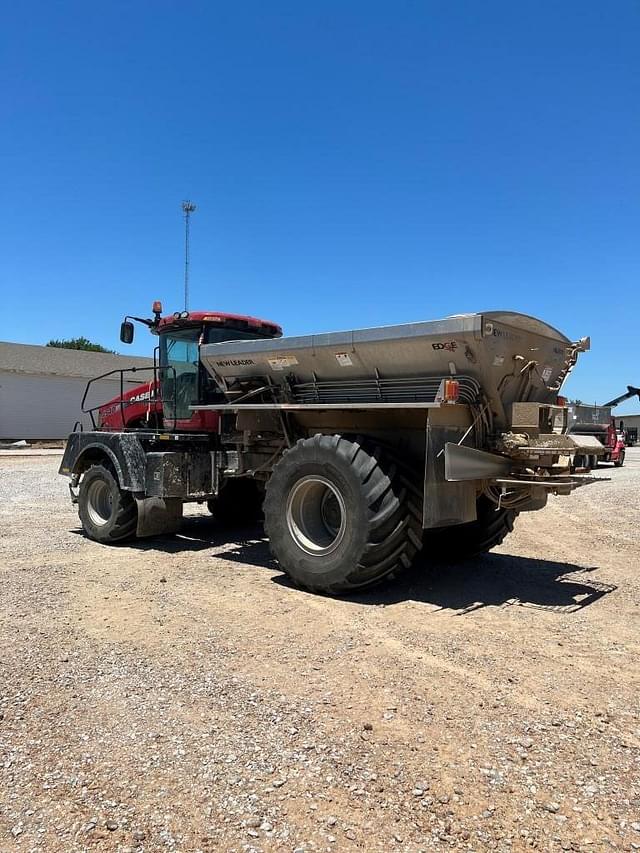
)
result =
(353, 163)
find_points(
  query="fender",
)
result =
(123, 449)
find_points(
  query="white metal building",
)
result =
(628, 420)
(41, 388)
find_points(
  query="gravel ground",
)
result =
(178, 695)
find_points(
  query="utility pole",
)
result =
(187, 208)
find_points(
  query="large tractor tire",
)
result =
(340, 515)
(462, 541)
(238, 502)
(108, 514)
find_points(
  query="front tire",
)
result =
(620, 460)
(108, 514)
(340, 516)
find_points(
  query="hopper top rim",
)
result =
(530, 324)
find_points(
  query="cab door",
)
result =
(182, 382)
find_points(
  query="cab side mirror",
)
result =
(126, 332)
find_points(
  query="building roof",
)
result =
(54, 361)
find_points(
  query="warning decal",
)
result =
(344, 359)
(282, 362)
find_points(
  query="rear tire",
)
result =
(463, 541)
(238, 502)
(340, 516)
(108, 514)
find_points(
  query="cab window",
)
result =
(216, 335)
(179, 352)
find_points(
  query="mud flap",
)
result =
(158, 516)
(445, 503)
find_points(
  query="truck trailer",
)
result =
(361, 448)
(602, 440)
(595, 428)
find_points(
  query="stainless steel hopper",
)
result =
(499, 355)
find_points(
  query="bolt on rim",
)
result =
(316, 516)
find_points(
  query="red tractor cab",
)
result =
(178, 381)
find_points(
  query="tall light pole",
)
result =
(187, 208)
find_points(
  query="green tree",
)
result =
(79, 343)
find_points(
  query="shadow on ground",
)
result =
(493, 580)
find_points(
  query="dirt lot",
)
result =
(179, 695)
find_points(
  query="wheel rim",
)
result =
(99, 502)
(316, 516)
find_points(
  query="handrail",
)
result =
(155, 368)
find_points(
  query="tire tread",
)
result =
(464, 541)
(126, 521)
(394, 533)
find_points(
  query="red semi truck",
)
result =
(597, 424)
